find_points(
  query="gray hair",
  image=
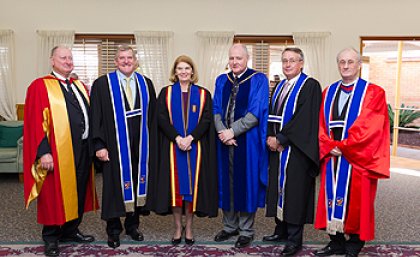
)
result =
(296, 50)
(359, 57)
(123, 48)
(56, 47)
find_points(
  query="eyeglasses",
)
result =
(291, 61)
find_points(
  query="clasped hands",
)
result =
(274, 145)
(184, 143)
(227, 137)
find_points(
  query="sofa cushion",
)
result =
(8, 154)
(10, 132)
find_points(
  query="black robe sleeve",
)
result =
(302, 130)
(207, 198)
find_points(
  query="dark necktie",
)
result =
(71, 89)
(233, 93)
(280, 101)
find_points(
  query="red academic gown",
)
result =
(46, 114)
(367, 150)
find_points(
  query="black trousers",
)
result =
(131, 223)
(70, 228)
(352, 245)
(293, 233)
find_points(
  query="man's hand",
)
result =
(231, 142)
(336, 151)
(47, 162)
(226, 135)
(102, 155)
(272, 143)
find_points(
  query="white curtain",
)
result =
(155, 49)
(213, 50)
(46, 41)
(316, 47)
(7, 75)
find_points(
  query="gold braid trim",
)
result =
(247, 78)
(38, 173)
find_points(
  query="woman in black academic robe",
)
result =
(187, 178)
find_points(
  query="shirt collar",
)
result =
(121, 76)
(240, 75)
(294, 79)
(59, 76)
(348, 84)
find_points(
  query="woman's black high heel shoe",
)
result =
(188, 241)
(177, 241)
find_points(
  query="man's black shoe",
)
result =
(78, 238)
(243, 241)
(290, 250)
(136, 235)
(51, 249)
(330, 249)
(273, 238)
(223, 235)
(113, 241)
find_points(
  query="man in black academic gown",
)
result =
(124, 138)
(293, 143)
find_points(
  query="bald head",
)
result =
(238, 58)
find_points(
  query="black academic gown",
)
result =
(301, 133)
(103, 135)
(207, 198)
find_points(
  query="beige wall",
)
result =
(346, 20)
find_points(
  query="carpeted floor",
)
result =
(264, 250)
(397, 219)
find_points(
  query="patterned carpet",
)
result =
(263, 250)
(397, 221)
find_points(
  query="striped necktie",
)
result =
(283, 95)
(230, 114)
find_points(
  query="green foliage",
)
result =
(406, 117)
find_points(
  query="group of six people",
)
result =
(185, 152)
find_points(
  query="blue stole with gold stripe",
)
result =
(123, 142)
(185, 164)
(337, 183)
(289, 109)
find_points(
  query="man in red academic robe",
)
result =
(57, 167)
(354, 154)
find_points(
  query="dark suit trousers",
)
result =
(292, 232)
(70, 228)
(352, 245)
(131, 223)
